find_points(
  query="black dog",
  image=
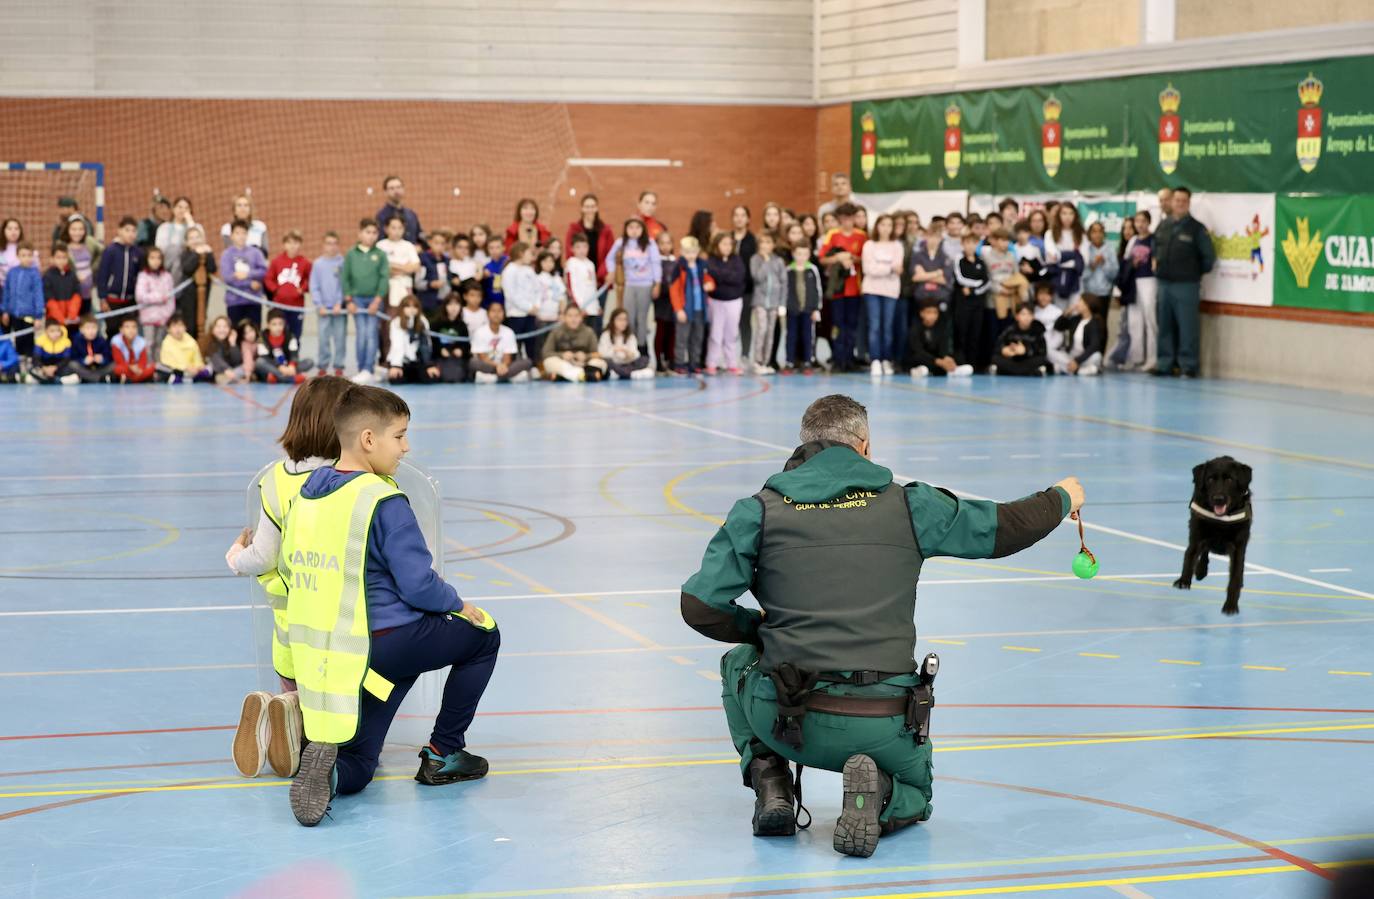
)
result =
(1220, 523)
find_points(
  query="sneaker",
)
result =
(250, 739)
(338, 372)
(299, 379)
(888, 369)
(437, 770)
(1044, 371)
(787, 372)
(363, 377)
(642, 374)
(1189, 375)
(223, 377)
(961, 371)
(734, 371)
(876, 369)
(920, 371)
(807, 371)
(763, 369)
(1088, 371)
(680, 371)
(520, 378)
(992, 370)
(284, 734)
(481, 377)
(866, 791)
(315, 783)
(70, 379)
(711, 370)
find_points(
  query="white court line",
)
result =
(1101, 528)
(1328, 570)
(126, 670)
(160, 476)
(1129, 891)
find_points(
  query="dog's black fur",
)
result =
(1223, 486)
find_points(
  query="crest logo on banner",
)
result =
(1051, 136)
(868, 145)
(1309, 123)
(1302, 252)
(1170, 129)
(954, 139)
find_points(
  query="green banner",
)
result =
(1325, 252)
(1302, 127)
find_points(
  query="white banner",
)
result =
(926, 203)
(1242, 227)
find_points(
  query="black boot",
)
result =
(774, 808)
(867, 791)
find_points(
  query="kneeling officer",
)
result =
(826, 675)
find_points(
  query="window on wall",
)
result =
(1018, 28)
(1217, 18)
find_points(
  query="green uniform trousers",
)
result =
(827, 740)
(1179, 315)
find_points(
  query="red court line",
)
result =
(1112, 705)
(1288, 857)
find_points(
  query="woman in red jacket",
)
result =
(600, 238)
(527, 228)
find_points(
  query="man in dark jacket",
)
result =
(825, 675)
(1183, 254)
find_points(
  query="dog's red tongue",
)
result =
(1219, 508)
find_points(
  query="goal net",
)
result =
(29, 191)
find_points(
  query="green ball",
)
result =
(1084, 566)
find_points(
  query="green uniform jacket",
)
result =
(944, 526)
(366, 274)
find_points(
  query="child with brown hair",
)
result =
(155, 300)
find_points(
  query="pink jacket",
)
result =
(153, 291)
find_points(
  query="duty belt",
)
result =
(797, 695)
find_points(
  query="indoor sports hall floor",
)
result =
(1104, 738)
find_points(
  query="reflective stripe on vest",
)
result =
(279, 489)
(324, 565)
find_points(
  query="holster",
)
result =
(921, 699)
(793, 686)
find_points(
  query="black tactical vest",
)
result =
(838, 581)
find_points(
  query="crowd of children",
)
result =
(1005, 293)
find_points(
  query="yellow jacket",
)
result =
(181, 355)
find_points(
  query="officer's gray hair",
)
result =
(837, 418)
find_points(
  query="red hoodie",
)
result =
(288, 278)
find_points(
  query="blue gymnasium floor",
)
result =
(1108, 738)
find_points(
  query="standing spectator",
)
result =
(242, 267)
(619, 349)
(932, 272)
(1064, 251)
(365, 278)
(1006, 287)
(156, 305)
(1099, 269)
(1183, 254)
(450, 334)
(481, 238)
(395, 190)
(492, 292)
(600, 238)
(635, 269)
(772, 218)
(571, 352)
(409, 355)
(665, 321)
(326, 289)
(526, 227)
(746, 245)
(883, 260)
(583, 281)
(133, 363)
(812, 229)
(647, 208)
(1038, 224)
(118, 274)
(21, 303)
(688, 293)
(494, 351)
(520, 285)
(91, 361)
(171, 235)
(840, 194)
(66, 208)
(160, 214)
(970, 303)
(1048, 315)
(257, 228)
(403, 261)
(702, 227)
(1140, 317)
(288, 280)
(198, 267)
(553, 293)
(726, 302)
(804, 293)
(1010, 211)
(61, 288)
(180, 355)
(432, 280)
(1030, 259)
(11, 235)
(954, 235)
(52, 354)
(768, 303)
(842, 254)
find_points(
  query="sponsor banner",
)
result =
(1301, 127)
(926, 203)
(1242, 228)
(1325, 252)
(1110, 212)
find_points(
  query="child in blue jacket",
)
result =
(21, 304)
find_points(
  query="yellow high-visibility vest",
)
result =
(279, 489)
(323, 564)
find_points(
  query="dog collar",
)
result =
(1232, 517)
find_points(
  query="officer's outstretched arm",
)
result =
(982, 529)
(727, 571)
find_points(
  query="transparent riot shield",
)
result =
(416, 715)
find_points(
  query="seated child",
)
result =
(1084, 340)
(570, 351)
(180, 357)
(408, 356)
(449, 333)
(1047, 313)
(129, 351)
(1021, 348)
(930, 345)
(493, 351)
(278, 353)
(52, 355)
(9, 362)
(620, 350)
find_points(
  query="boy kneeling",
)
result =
(367, 615)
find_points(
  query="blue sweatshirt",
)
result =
(401, 585)
(9, 357)
(23, 294)
(118, 273)
(81, 348)
(326, 284)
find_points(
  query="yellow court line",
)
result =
(949, 642)
(710, 675)
(506, 521)
(1354, 673)
(1022, 649)
(1263, 668)
(576, 769)
(1099, 655)
(497, 583)
(1178, 662)
(171, 534)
